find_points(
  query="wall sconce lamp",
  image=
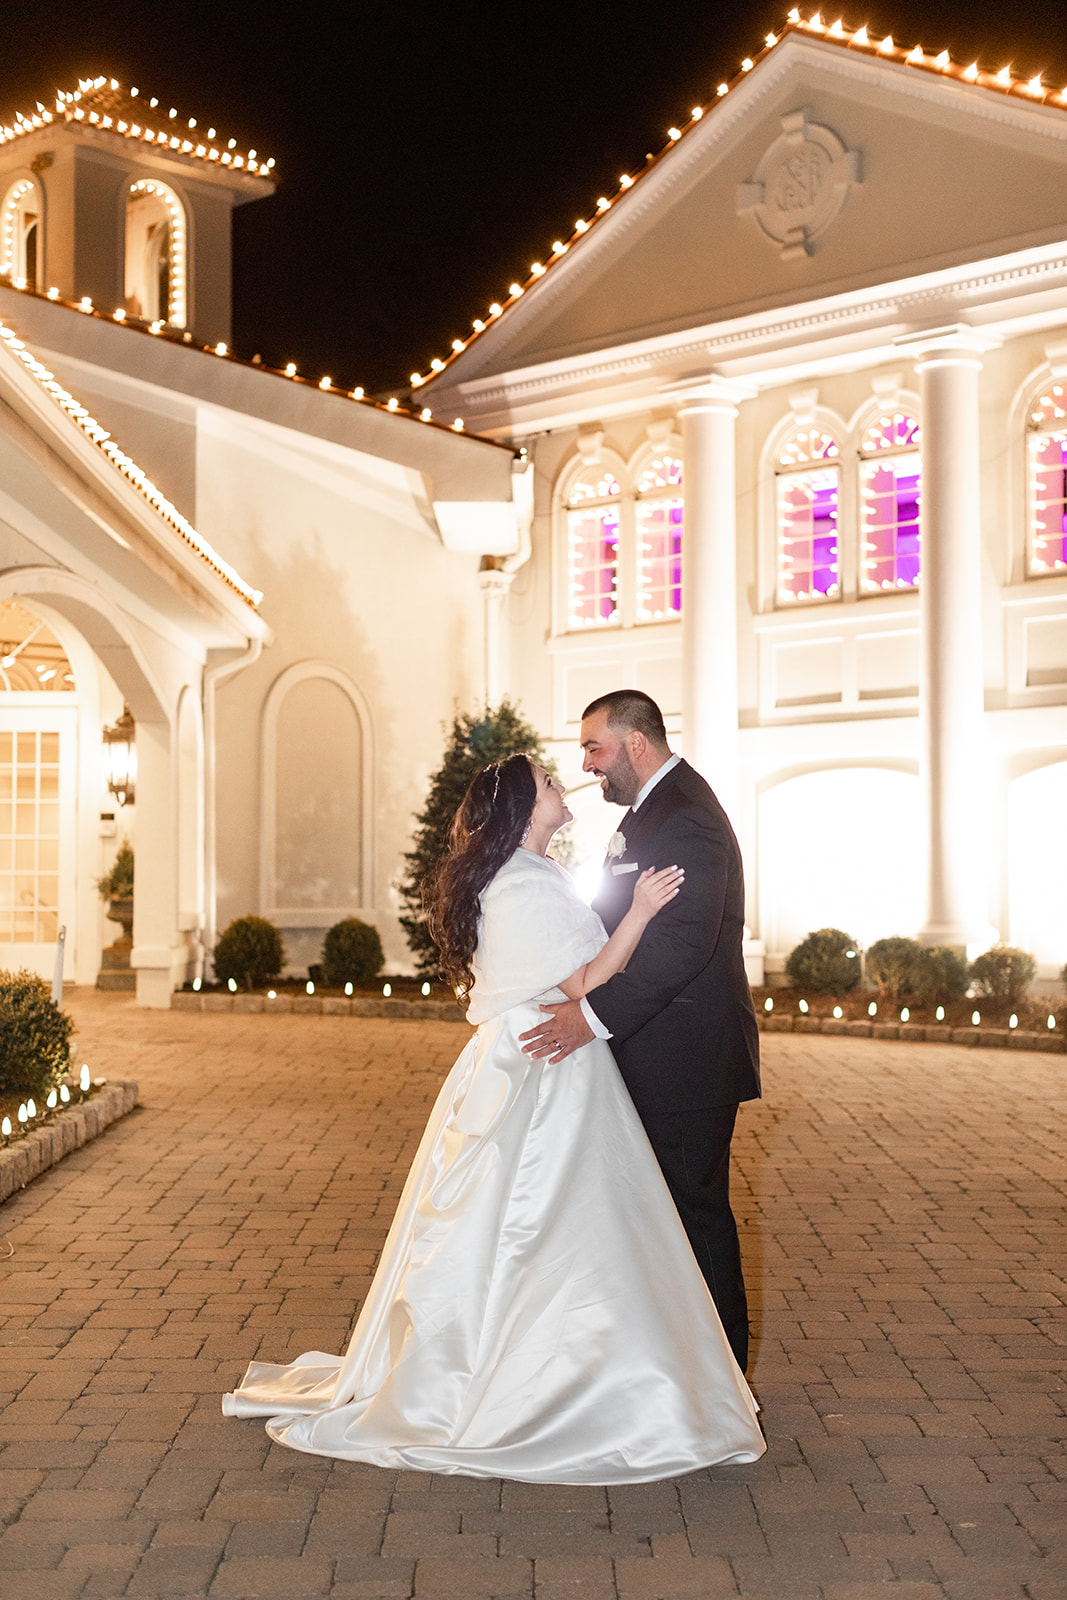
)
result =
(120, 758)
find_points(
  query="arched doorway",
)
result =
(108, 670)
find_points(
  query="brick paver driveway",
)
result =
(903, 1223)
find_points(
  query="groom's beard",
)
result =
(620, 783)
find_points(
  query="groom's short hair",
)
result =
(630, 711)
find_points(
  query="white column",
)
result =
(951, 696)
(494, 583)
(709, 584)
(157, 950)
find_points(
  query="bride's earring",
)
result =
(525, 834)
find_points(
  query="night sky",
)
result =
(429, 152)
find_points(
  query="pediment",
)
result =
(824, 171)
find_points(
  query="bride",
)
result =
(537, 1313)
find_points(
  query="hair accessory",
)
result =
(496, 784)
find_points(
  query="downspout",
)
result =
(497, 574)
(522, 496)
(212, 677)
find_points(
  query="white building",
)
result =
(832, 308)
(279, 780)
(790, 402)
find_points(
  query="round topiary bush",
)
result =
(250, 951)
(34, 1036)
(1003, 973)
(896, 965)
(826, 962)
(351, 953)
(942, 975)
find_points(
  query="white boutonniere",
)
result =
(616, 846)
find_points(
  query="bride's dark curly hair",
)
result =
(488, 827)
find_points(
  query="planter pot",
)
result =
(120, 909)
(115, 970)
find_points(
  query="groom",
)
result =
(680, 1016)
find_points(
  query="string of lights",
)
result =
(88, 102)
(102, 103)
(125, 464)
(1003, 81)
(176, 335)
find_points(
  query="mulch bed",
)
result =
(1032, 1013)
(404, 988)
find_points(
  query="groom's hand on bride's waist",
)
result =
(564, 1030)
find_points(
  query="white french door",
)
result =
(38, 810)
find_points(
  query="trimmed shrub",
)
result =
(250, 951)
(896, 965)
(118, 883)
(942, 976)
(1003, 973)
(351, 953)
(34, 1036)
(826, 962)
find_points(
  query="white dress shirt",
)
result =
(642, 795)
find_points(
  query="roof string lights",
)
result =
(160, 328)
(129, 469)
(104, 104)
(836, 32)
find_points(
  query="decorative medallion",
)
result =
(800, 185)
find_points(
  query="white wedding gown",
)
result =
(537, 1313)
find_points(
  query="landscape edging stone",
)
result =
(45, 1147)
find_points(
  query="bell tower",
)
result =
(114, 198)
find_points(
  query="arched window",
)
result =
(32, 660)
(1048, 483)
(155, 253)
(20, 234)
(890, 500)
(808, 497)
(659, 540)
(593, 550)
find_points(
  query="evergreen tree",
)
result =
(476, 740)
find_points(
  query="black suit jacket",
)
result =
(681, 1016)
